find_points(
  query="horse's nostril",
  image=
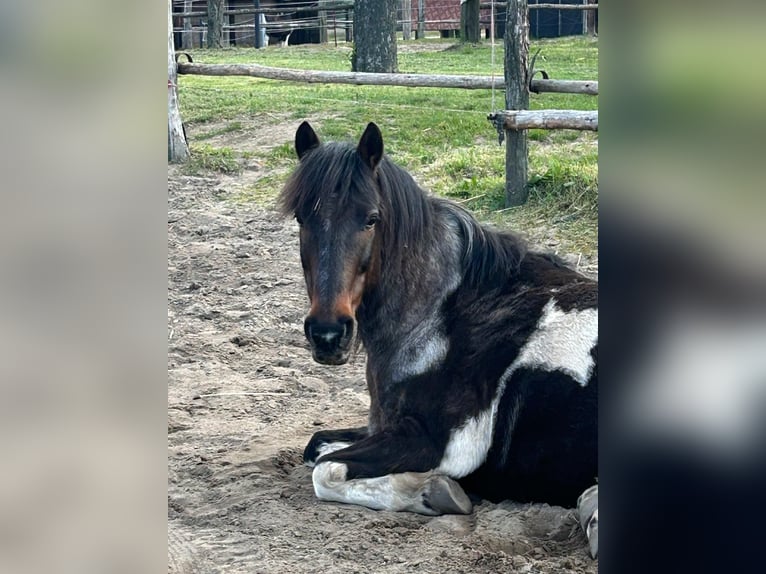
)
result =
(308, 326)
(348, 326)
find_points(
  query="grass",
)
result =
(441, 135)
(207, 158)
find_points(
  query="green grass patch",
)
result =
(441, 136)
(206, 158)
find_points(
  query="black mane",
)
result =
(335, 172)
(489, 256)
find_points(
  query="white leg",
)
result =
(421, 492)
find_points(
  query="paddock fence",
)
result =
(375, 79)
(511, 123)
(322, 21)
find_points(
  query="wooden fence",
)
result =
(334, 14)
(372, 79)
(510, 123)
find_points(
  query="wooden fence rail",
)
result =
(328, 7)
(546, 120)
(546, 6)
(349, 5)
(371, 79)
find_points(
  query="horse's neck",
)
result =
(404, 309)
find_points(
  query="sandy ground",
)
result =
(244, 397)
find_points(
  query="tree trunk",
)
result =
(516, 98)
(470, 31)
(215, 23)
(374, 36)
(178, 150)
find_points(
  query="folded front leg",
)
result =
(421, 492)
(327, 441)
(391, 470)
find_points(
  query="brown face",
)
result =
(338, 258)
(339, 243)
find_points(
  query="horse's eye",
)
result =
(372, 219)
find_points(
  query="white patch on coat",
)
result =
(421, 356)
(394, 492)
(468, 445)
(425, 346)
(561, 341)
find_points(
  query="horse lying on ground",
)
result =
(481, 355)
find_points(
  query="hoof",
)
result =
(445, 496)
(587, 510)
(593, 536)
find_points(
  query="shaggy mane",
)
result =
(334, 172)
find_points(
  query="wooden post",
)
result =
(258, 40)
(232, 31)
(178, 35)
(187, 40)
(516, 98)
(590, 19)
(406, 19)
(349, 26)
(178, 150)
(421, 33)
(322, 23)
(559, 14)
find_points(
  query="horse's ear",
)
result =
(305, 139)
(371, 146)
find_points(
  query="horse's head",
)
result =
(335, 198)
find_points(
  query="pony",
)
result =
(481, 353)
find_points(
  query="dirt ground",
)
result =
(244, 397)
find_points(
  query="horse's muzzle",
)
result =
(330, 340)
